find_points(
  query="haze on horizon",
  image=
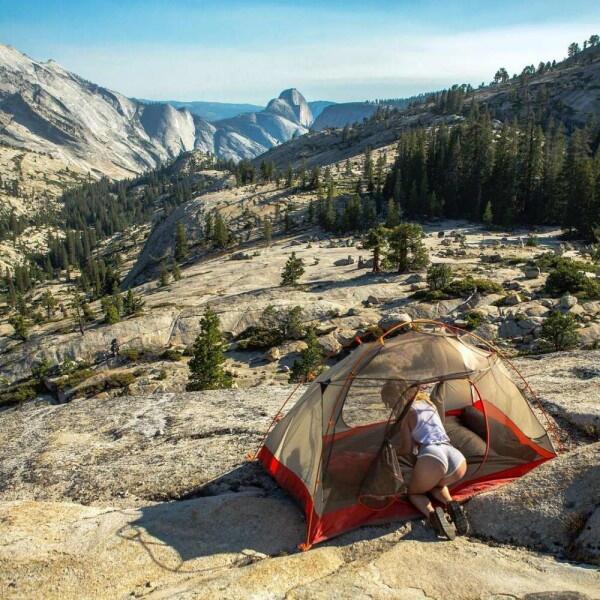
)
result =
(234, 51)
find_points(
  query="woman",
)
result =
(438, 465)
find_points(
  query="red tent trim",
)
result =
(324, 527)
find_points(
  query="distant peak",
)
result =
(292, 96)
(292, 105)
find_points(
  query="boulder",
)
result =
(567, 302)
(330, 344)
(414, 278)
(590, 335)
(512, 300)
(346, 336)
(241, 256)
(531, 272)
(509, 328)
(548, 508)
(536, 310)
(487, 331)
(342, 262)
(272, 354)
(393, 319)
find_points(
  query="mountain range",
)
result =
(216, 111)
(45, 108)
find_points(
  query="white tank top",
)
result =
(429, 428)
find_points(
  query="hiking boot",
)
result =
(441, 524)
(459, 517)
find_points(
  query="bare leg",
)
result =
(426, 475)
(441, 494)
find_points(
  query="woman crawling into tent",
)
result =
(438, 463)
(345, 450)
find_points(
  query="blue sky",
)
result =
(249, 51)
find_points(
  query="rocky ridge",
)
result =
(45, 108)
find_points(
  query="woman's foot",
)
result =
(441, 524)
(459, 517)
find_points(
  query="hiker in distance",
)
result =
(438, 464)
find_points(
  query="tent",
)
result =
(334, 450)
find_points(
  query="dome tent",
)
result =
(334, 450)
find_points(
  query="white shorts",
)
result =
(445, 453)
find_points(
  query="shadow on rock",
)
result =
(236, 514)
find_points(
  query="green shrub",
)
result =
(532, 240)
(119, 380)
(474, 320)
(566, 277)
(460, 288)
(439, 276)
(162, 375)
(171, 354)
(74, 379)
(465, 287)
(20, 325)
(274, 327)
(310, 363)
(560, 331)
(131, 354)
(549, 261)
(18, 393)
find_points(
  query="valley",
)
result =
(305, 229)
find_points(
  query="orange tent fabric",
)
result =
(334, 450)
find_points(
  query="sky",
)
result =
(248, 51)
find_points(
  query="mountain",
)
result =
(340, 115)
(318, 106)
(210, 111)
(248, 135)
(45, 108)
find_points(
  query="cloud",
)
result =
(371, 65)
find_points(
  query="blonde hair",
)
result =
(396, 394)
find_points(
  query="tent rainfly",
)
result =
(334, 452)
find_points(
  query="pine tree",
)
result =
(311, 360)
(407, 250)
(181, 244)
(133, 304)
(206, 365)
(292, 271)
(176, 272)
(376, 241)
(289, 177)
(221, 235)
(392, 217)
(20, 325)
(163, 276)
(49, 302)
(267, 231)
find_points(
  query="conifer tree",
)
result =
(221, 235)
(49, 302)
(163, 278)
(206, 365)
(392, 217)
(292, 271)
(133, 304)
(20, 325)
(181, 244)
(406, 248)
(311, 360)
(376, 241)
(267, 231)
